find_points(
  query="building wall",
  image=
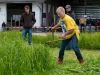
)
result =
(44, 11)
(3, 14)
(37, 8)
(93, 11)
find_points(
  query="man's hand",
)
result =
(63, 36)
(53, 29)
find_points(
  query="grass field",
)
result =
(71, 66)
(18, 58)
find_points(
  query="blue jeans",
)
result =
(29, 31)
(89, 27)
(3, 27)
(74, 47)
(69, 45)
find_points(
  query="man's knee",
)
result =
(74, 47)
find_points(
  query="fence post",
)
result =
(11, 23)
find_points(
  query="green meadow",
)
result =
(40, 58)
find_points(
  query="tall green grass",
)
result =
(90, 41)
(18, 58)
(87, 40)
(44, 39)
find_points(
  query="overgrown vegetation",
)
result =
(87, 40)
(90, 41)
(18, 58)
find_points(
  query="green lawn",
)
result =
(71, 66)
(18, 58)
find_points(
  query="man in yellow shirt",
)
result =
(72, 33)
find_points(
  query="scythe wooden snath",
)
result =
(53, 40)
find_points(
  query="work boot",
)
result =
(81, 61)
(60, 60)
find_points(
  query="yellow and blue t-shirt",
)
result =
(70, 24)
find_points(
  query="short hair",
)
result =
(26, 6)
(60, 9)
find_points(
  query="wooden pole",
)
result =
(42, 14)
(52, 35)
(85, 6)
(47, 21)
(54, 6)
(53, 41)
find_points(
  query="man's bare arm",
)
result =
(69, 32)
(55, 27)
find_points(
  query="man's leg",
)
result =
(89, 27)
(69, 45)
(83, 28)
(62, 48)
(30, 36)
(24, 33)
(76, 49)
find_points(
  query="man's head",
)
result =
(82, 16)
(27, 9)
(68, 8)
(88, 17)
(60, 12)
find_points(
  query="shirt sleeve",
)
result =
(73, 16)
(70, 24)
(33, 19)
(22, 20)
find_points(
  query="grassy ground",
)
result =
(18, 58)
(71, 66)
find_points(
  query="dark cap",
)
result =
(68, 6)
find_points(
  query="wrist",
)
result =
(65, 33)
(53, 28)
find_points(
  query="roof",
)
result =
(20, 1)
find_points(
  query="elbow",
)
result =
(72, 30)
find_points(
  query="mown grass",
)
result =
(71, 66)
(18, 58)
